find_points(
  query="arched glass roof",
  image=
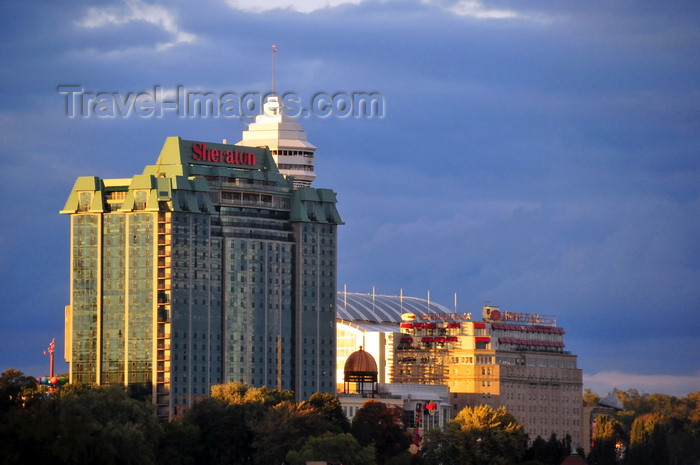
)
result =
(382, 308)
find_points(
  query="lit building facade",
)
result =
(515, 360)
(206, 268)
(372, 321)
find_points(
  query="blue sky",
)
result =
(543, 156)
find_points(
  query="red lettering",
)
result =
(198, 148)
(232, 157)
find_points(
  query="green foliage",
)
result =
(648, 441)
(485, 417)
(333, 448)
(242, 425)
(330, 407)
(479, 435)
(551, 452)
(384, 427)
(81, 425)
(286, 427)
(16, 389)
(243, 393)
(115, 428)
(223, 432)
(590, 398)
(180, 444)
(660, 427)
(605, 436)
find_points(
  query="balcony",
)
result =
(163, 355)
(164, 273)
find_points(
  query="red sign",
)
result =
(532, 318)
(200, 152)
(444, 316)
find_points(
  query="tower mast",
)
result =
(50, 351)
(274, 50)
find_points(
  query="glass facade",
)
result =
(84, 297)
(315, 324)
(194, 274)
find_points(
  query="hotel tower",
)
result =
(211, 266)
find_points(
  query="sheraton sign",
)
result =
(200, 152)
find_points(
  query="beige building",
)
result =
(516, 360)
(513, 360)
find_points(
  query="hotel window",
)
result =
(140, 200)
(85, 200)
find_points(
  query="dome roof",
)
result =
(360, 362)
(379, 308)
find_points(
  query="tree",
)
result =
(180, 443)
(450, 446)
(225, 436)
(16, 389)
(330, 407)
(648, 441)
(333, 448)
(590, 398)
(384, 427)
(605, 436)
(551, 452)
(479, 435)
(241, 393)
(286, 427)
(115, 429)
(27, 432)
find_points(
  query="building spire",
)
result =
(274, 51)
(284, 136)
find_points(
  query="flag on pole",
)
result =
(274, 49)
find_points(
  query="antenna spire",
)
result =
(274, 50)
(50, 351)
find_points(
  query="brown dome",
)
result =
(360, 362)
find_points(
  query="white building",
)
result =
(286, 140)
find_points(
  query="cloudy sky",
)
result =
(542, 156)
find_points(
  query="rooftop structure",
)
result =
(372, 321)
(361, 370)
(292, 153)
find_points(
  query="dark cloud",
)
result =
(546, 162)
